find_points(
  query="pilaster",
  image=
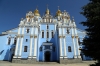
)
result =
(31, 40)
(16, 48)
(76, 36)
(35, 42)
(20, 51)
(74, 44)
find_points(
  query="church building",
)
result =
(44, 38)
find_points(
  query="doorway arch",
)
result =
(47, 56)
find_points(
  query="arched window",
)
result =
(27, 30)
(68, 31)
(9, 40)
(25, 48)
(47, 26)
(26, 40)
(47, 34)
(15, 40)
(69, 49)
(52, 35)
(42, 34)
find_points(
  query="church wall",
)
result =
(25, 54)
(50, 39)
(69, 42)
(5, 49)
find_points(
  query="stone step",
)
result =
(24, 62)
(4, 61)
(48, 62)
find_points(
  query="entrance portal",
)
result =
(47, 56)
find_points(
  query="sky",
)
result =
(11, 11)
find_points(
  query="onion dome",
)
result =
(36, 12)
(47, 11)
(58, 13)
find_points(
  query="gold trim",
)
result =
(63, 36)
(35, 36)
(31, 36)
(72, 36)
(76, 36)
(22, 36)
(60, 36)
(27, 16)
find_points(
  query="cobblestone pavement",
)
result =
(84, 63)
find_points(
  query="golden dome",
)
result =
(36, 12)
(58, 13)
(47, 11)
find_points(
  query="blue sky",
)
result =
(11, 11)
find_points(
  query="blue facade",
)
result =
(44, 38)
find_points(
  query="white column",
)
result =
(35, 53)
(20, 51)
(35, 42)
(77, 44)
(16, 48)
(60, 38)
(74, 44)
(31, 40)
(60, 48)
(65, 55)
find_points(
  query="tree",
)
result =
(92, 42)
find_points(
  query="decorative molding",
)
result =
(35, 36)
(76, 36)
(18, 36)
(22, 36)
(63, 36)
(31, 36)
(60, 36)
(72, 36)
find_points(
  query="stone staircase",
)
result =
(28, 62)
(4, 62)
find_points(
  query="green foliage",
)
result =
(92, 43)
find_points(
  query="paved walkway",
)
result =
(84, 63)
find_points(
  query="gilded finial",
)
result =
(36, 12)
(58, 7)
(58, 13)
(47, 11)
(64, 10)
(37, 7)
(72, 19)
(21, 19)
(47, 6)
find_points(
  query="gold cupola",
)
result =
(47, 11)
(36, 12)
(58, 13)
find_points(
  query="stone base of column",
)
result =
(29, 57)
(67, 60)
(14, 56)
(75, 56)
(25, 61)
(34, 57)
(19, 57)
(79, 56)
(65, 57)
